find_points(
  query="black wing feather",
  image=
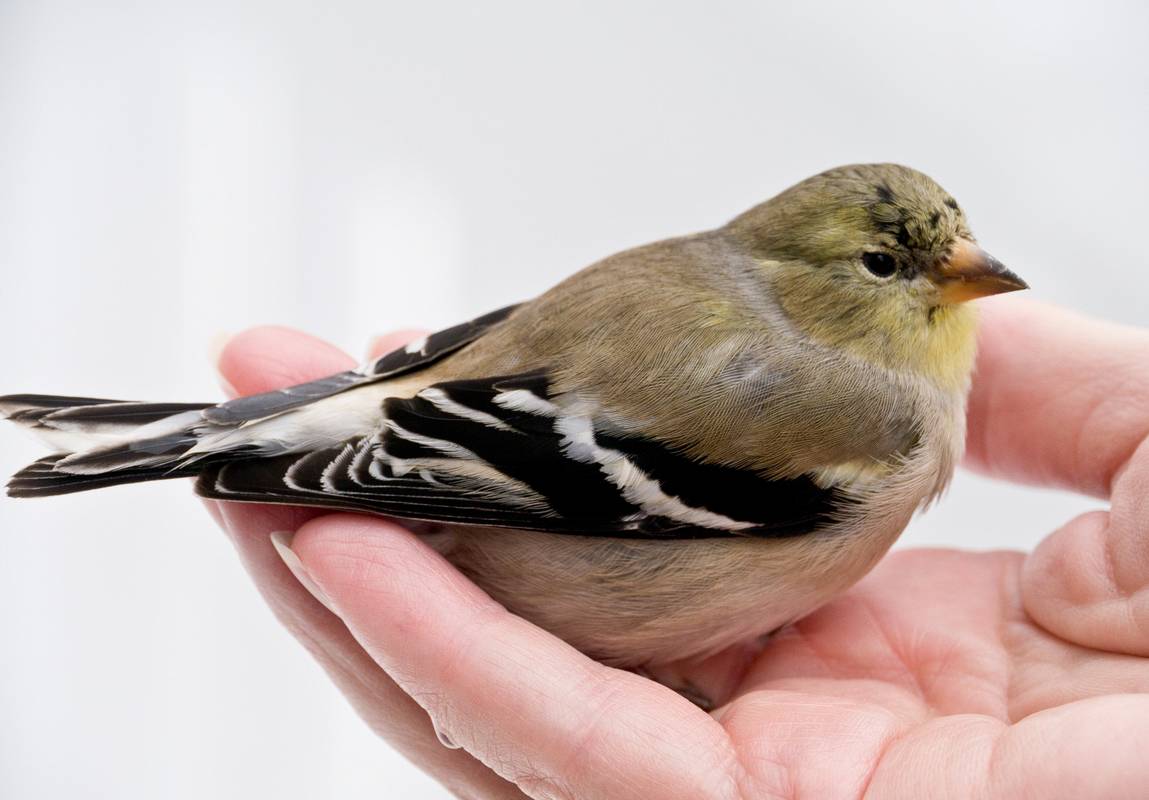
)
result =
(437, 345)
(778, 506)
(398, 362)
(410, 470)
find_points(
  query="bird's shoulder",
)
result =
(680, 342)
(641, 398)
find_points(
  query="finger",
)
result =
(1062, 400)
(1058, 399)
(271, 357)
(267, 358)
(1088, 749)
(1089, 581)
(1091, 748)
(386, 708)
(382, 345)
(526, 704)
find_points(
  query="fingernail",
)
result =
(215, 345)
(376, 349)
(444, 739)
(281, 541)
(372, 346)
(216, 514)
(225, 384)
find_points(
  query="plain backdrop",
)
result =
(170, 171)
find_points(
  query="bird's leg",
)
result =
(666, 675)
(720, 673)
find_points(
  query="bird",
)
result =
(686, 445)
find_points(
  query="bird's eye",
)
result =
(881, 264)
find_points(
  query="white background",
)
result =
(170, 171)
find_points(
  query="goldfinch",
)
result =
(683, 446)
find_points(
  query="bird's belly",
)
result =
(632, 602)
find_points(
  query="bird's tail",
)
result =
(107, 442)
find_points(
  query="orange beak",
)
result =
(970, 273)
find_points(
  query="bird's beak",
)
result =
(970, 273)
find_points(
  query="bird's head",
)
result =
(877, 259)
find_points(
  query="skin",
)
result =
(941, 674)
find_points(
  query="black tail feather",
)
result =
(28, 408)
(40, 480)
(35, 410)
(95, 424)
(124, 413)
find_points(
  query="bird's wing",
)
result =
(504, 452)
(416, 355)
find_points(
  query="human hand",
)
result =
(942, 674)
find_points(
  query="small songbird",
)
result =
(683, 446)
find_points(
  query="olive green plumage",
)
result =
(681, 446)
